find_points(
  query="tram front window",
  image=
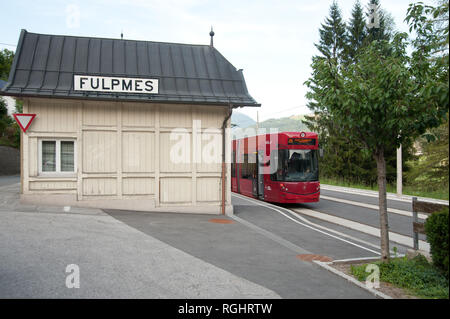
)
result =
(296, 166)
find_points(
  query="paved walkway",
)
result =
(115, 260)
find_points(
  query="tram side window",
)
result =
(249, 167)
(233, 164)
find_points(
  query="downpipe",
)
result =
(224, 124)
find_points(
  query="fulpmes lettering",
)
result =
(115, 84)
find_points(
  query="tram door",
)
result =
(255, 174)
(260, 165)
(238, 165)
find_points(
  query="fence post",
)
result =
(415, 220)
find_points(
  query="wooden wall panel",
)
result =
(53, 116)
(138, 154)
(211, 153)
(208, 189)
(99, 152)
(176, 190)
(53, 185)
(175, 154)
(100, 113)
(138, 114)
(33, 160)
(175, 116)
(210, 117)
(119, 153)
(138, 186)
(99, 186)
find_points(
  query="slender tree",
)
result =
(332, 34)
(378, 102)
(380, 22)
(357, 31)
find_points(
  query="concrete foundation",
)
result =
(143, 205)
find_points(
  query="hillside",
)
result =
(285, 124)
(241, 120)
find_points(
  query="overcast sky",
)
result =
(272, 40)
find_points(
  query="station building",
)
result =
(106, 112)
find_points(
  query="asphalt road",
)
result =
(257, 254)
(123, 254)
(397, 223)
(259, 246)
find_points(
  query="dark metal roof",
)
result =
(45, 65)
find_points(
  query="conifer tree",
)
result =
(332, 34)
(380, 22)
(356, 31)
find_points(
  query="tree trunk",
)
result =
(382, 203)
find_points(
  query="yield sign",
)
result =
(24, 120)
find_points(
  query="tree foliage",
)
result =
(431, 64)
(6, 58)
(356, 31)
(376, 101)
(430, 170)
(332, 34)
(9, 130)
(436, 227)
(382, 100)
(347, 160)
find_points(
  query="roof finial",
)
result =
(212, 35)
(121, 35)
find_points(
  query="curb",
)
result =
(403, 198)
(326, 265)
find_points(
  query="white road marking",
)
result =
(395, 237)
(362, 259)
(376, 207)
(370, 193)
(296, 215)
(275, 208)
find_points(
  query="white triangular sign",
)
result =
(24, 120)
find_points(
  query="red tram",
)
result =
(279, 168)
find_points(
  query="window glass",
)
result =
(297, 166)
(48, 156)
(249, 166)
(233, 164)
(67, 156)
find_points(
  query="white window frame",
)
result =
(57, 171)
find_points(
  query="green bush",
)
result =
(436, 228)
(416, 275)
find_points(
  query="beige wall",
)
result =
(123, 155)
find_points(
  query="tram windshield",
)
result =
(296, 165)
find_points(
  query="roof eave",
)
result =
(128, 99)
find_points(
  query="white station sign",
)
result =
(115, 84)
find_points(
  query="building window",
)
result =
(57, 157)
